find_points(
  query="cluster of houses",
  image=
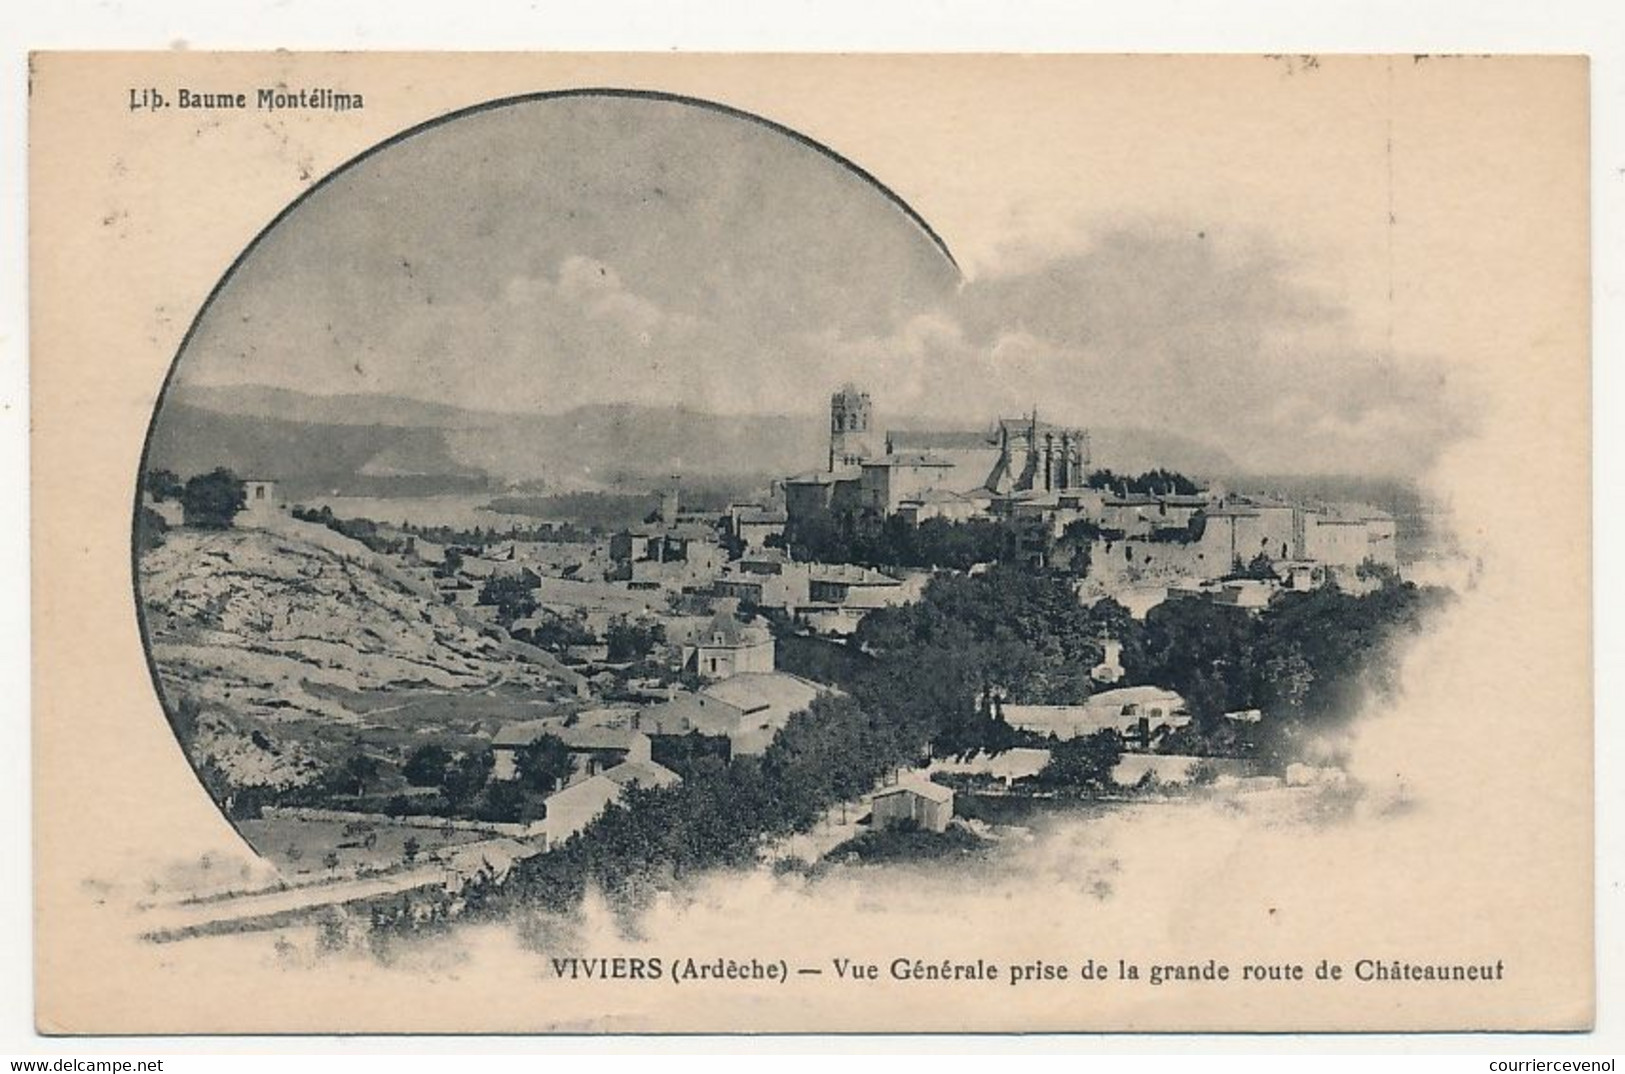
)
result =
(615, 747)
(605, 760)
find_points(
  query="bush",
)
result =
(150, 528)
(513, 595)
(426, 767)
(1083, 764)
(210, 501)
(163, 485)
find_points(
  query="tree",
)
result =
(183, 720)
(513, 594)
(1260, 568)
(1205, 652)
(410, 848)
(466, 777)
(544, 764)
(210, 501)
(150, 528)
(358, 771)
(631, 641)
(554, 632)
(1158, 482)
(506, 803)
(426, 767)
(450, 564)
(1382, 573)
(1084, 763)
(163, 485)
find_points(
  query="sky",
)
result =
(577, 250)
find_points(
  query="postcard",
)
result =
(542, 543)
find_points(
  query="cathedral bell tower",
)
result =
(851, 437)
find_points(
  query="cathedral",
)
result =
(935, 474)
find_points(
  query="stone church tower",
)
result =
(851, 435)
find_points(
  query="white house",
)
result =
(578, 805)
(261, 503)
(1141, 714)
(929, 805)
(727, 647)
(765, 702)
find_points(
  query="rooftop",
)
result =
(1023, 424)
(907, 458)
(688, 712)
(934, 792)
(849, 574)
(938, 496)
(724, 630)
(1141, 695)
(759, 691)
(642, 774)
(823, 477)
(1354, 512)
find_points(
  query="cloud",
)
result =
(591, 292)
(1212, 336)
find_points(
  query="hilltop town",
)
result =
(924, 636)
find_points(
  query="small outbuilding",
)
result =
(928, 805)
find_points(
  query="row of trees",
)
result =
(364, 530)
(1158, 482)
(480, 537)
(856, 537)
(722, 811)
(461, 781)
(1306, 661)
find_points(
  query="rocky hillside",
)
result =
(256, 634)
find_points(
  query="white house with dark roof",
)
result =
(752, 524)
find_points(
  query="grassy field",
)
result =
(455, 712)
(300, 848)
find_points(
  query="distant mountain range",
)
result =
(373, 444)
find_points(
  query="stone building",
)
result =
(726, 647)
(852, 440)
(924, 474)
(261, 503)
